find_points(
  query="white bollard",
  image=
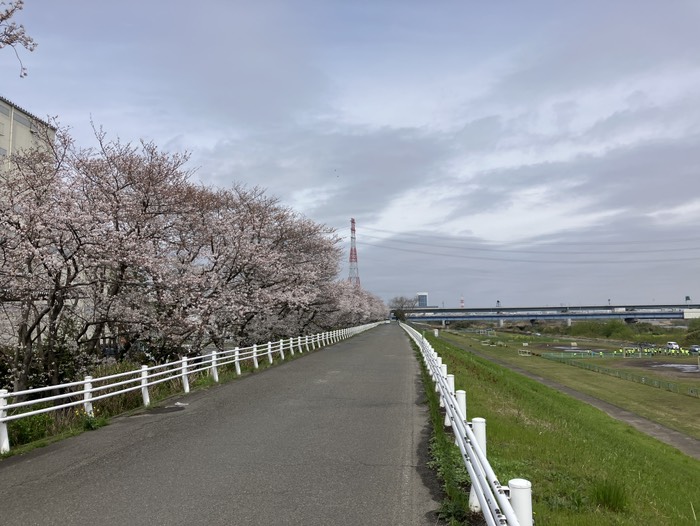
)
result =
(462, 403)
(269, 352)
(443, 373)
(451, 384)
(479, 430)
(87, 396)
(438, 360)
(185, 379)
(461, 397)
(236, 362)
(4, 437)
(144, 386)
(255, 355)
(521, 500)
(214, 370)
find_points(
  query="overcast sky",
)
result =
(532, 153)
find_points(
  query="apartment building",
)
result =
(19, 129)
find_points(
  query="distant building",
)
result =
(19, 129)
(422, 299)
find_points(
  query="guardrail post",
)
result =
(443, 372)
(281, 349)
(185, 379)
(214, 370)
(521, 500)
(4, 437)
(87, 396)
(301, 351)
(479, 430)
(255, 355)
(434, 374)
(144, 386)
(462, 402)
(236, 361)
(291, 346)
(451, 385)
(269, 351)
(306, 342)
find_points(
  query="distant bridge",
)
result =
(627, 313)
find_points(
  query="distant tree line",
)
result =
(398, 306)
(116, 248)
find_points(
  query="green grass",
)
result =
(446, 461)
(585, 467)
(676, 411)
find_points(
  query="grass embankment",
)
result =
(676, 411)
(585, 467)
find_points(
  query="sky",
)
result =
(538, 153)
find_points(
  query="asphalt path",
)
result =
(337, 437)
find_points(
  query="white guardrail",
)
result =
(89, 390)
(501, 505)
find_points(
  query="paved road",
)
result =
(332, 438)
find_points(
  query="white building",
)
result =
(19, 129)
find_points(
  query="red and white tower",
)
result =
(354, 275)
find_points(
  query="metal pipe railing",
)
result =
(501, 505)
(146, 376)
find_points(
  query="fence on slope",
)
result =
(509, 505)
(89, 390)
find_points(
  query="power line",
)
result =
(520, 260)
(586, 243)
(539, 251)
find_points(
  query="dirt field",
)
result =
(682, 369)
(663, 367)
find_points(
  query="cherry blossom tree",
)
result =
(12, 34)
(40, 248)
(132, 197)
(116, 247)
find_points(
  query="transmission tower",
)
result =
(354, 275)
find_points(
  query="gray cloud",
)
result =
(539, 153)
